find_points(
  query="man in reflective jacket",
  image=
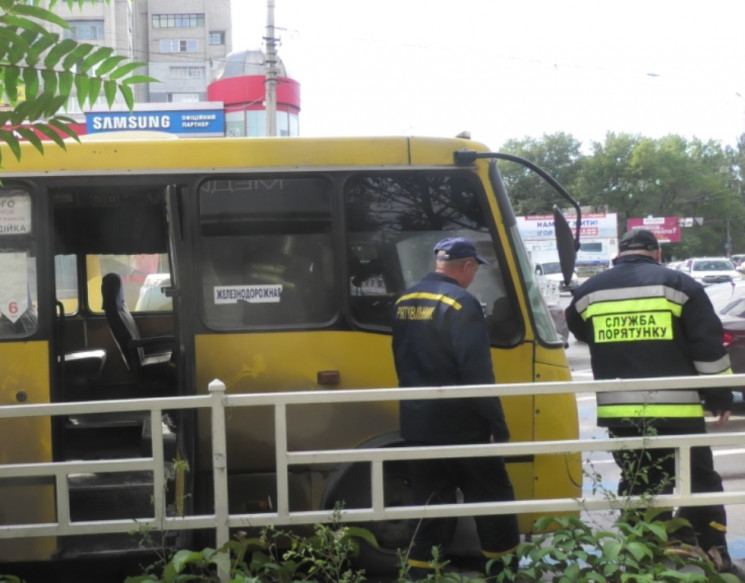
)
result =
(641, 319)
(440, 338)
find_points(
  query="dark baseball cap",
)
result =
(457, 248)
(639, 239)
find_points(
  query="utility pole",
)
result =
(270, 81)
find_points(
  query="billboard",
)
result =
(666, 229)
(592, 226)
(200, 119)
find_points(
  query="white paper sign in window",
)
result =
(13, 285)
(253, 294)
(15, 213)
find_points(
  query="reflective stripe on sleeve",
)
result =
(721, 366)
(637, 398)
(430, 296)
(634, 411)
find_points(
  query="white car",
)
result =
(551, 270)
(708, 270)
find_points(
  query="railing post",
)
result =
(280, 453)
(220, 468)
(683, 470)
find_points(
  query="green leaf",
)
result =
(96, 57)
(18, 50)
(30, 136)
(139, 79)
(51, 134)
(38, 106)
(109, 89)
(222, 561)
(638, 550)
(76, 56)
(44, 42)
(109, 64)
(20, 113)
(64, 127)
(40, 14)
(11, 141)
(659, 531)
(25, 24)
(54, 105)
(50, 81)
(58, 51)
(364, 534)
(10, 82)
(81, 86)
(184, 557)
(128, 95)
(66, 80)
(120, 72)
(31, 82)
(94, 90)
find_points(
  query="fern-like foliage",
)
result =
(47, 69)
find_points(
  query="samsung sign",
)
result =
(190, 122)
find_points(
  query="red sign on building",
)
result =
(666, 229)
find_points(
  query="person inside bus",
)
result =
(440, 338)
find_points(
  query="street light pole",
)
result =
(270, 80)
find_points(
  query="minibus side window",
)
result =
(393, 223)
(266, 253)
(18, 297)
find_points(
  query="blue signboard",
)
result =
(184, 122)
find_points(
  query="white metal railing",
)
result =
(221, 521)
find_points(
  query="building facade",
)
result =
(187, 46)
(184, 42)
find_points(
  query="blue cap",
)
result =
(457, 248)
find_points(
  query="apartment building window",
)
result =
(183, 97)
(178, 20)
(84, 30)
(217, 37)
(186, 72)
(179, 46)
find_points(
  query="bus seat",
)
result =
(83, 366)
(149, 359)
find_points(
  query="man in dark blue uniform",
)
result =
(440, 338)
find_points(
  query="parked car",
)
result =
(737, 259)
(728, 300)
(709, 270)
(675, 264)
(551, 270)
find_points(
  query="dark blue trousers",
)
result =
(480, 480)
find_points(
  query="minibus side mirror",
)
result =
(565, 245)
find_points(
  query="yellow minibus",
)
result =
(133, 268)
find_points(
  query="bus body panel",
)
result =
(25, 380)
(259, 362)
(134, 157)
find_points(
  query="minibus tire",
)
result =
(350, 486)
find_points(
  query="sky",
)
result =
(506, 70)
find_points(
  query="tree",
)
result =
(39, 73)
(558, 154)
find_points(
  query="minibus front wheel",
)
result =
(350, 487)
